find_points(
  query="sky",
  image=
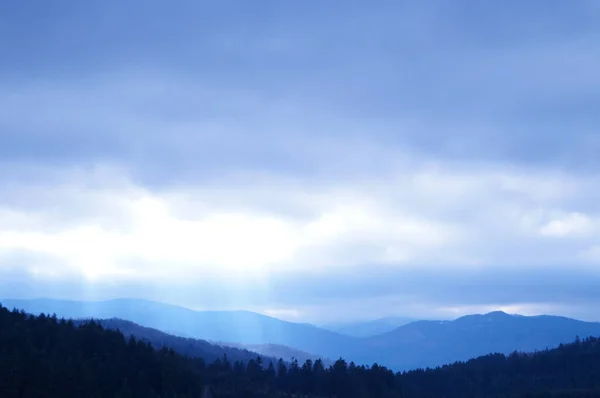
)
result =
(316, 161)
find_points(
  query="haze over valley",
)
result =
(414, 345)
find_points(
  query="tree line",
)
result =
(42, 356)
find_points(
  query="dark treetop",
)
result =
(46, 357)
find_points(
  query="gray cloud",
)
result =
(434, 87)
(425, 293)
(467, 148)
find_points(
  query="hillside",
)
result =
(414, 345)
(208, 351)
(279, 351)
(44, 357)
(241, 327)
(433, 343)
(570, 370)
(194, 348)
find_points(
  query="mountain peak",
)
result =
(490, 316)
(497, 314)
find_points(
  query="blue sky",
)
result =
(316, 160)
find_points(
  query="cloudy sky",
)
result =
(313, 160)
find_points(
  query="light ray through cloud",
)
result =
(278, 159)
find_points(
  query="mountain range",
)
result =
(48, 357)
(413, 345)
(240, 327)
(432, 343)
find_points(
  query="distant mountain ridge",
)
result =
(368, 328)
(47, 357)
(243, 327)
(414, 345)
(433, 343)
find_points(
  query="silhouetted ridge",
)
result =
(243, 327)
(197, 348)
(46, 357)
(414, 345)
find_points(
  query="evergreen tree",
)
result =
(48, 357)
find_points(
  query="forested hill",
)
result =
(45, 357)
(186, 346)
